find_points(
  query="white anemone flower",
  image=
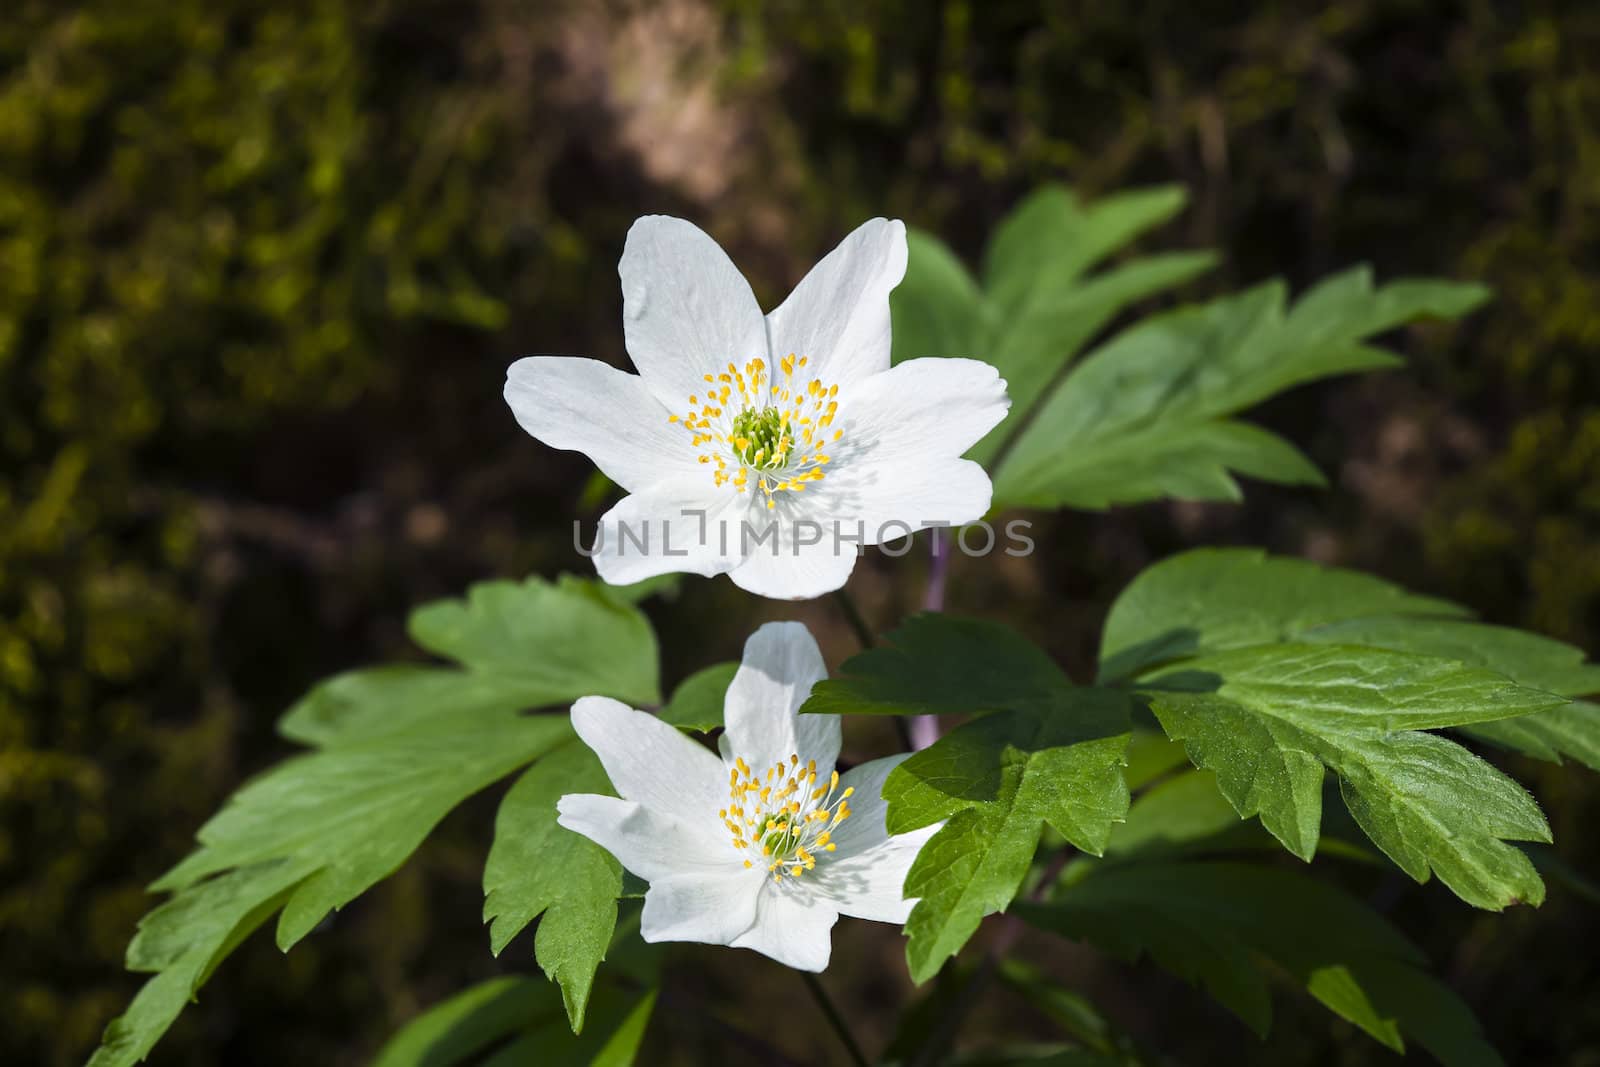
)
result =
(763, 848)
(765, 447)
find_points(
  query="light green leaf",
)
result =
(1570, 730)
(573, 637)
(997, 781)
(1211, 600)
(182, 941)
(941, 663)
(399, 748)
(1268, 719)
(1036, 308)
(360, 705)
(356, 811)
(697, 702)
(523, 1017)
(1227, 926)
(536, 868)
(937, 309)
(1146, 414)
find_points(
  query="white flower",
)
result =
(763, 848)
(765, 448)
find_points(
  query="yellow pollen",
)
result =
(762, 429)
(783, 818)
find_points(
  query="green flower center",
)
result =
(784, 819)
(760, 439)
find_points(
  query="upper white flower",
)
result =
(762, 446)
(763, 848)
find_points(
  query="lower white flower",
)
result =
(763, 848)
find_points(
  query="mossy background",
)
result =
(262, 268)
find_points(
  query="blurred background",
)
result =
(262, 267)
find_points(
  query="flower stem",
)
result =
(853, 616)
(836, 1020)
(924, 729)
(938, 572)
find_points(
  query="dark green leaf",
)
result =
(941, 663)
(1217, 924)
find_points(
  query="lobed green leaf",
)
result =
(539, 870)
(998, 781)
(1269, 718)
(1145, 415)
(1038, 304)
(397, 748)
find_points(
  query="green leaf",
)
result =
(1268, 719)
(360, 705)
(514, 1020)
(941, 663)
(573, 637)
(1216, 599)
(1527, 659)
(1570, 730)
(1145, 415)
(1072, 1012)
(697, 702)
(398, 748)
(998, 781)
(1036, 308)
(1227, 926)
(1211, 600)
(536, 868)
(182, 941)
(1182, 809)
(356, 811)
(937, 309)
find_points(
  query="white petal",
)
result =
(802, 561)
(686, 525)
(781, 663)
(651, 763)
(866, 875)
(884, 500)
(924, 408)
(648, 843)
(793, 925)
(686, 309)
(838, 316)
(610, 416)
(712, 909)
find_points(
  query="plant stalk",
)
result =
(924, 729)
(835, 1019)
